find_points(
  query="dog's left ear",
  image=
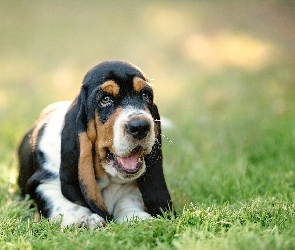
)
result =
(152, 183)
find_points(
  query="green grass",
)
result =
(230, 155)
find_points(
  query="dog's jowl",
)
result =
(98, 157)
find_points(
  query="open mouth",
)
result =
(129, 164)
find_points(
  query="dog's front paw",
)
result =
(92, 221)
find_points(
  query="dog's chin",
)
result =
(127, 167)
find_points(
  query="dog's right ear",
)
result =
(77, 174)
(152, 183)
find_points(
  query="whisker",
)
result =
(165, 123)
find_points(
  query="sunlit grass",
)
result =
(226, 87)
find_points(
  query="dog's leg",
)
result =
(50, 201)
(130, 208)
(125, 202)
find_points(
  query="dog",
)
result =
(98, 158)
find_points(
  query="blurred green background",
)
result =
(223, 73)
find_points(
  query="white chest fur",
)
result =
(124, 201)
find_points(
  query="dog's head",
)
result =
(119, 104)
(111, 128)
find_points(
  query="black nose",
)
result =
(138, 128)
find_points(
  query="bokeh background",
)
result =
(223, 72)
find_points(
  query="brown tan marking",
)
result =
(106, 134)
(103, 142)
(110, 87)
(92, 135)
(156, 129)
(86, 172)
(139, 84)
(91, 131)
(101, 138)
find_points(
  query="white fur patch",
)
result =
(124, 143)
(68, 212)
(49, 143)
(124, 202)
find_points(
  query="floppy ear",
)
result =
(152, 184)
(77, 172)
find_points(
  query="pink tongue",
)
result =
(130, 162)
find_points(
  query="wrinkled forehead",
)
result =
(118, 71)
(116, 77)
(114, 87)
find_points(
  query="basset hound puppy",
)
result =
(99, 157)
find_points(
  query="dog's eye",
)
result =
(105, 101)
(146, 96)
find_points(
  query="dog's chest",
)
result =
(119, 196)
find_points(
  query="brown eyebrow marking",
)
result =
(111, 87)
(139, 84)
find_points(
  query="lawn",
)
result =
(223, 74)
